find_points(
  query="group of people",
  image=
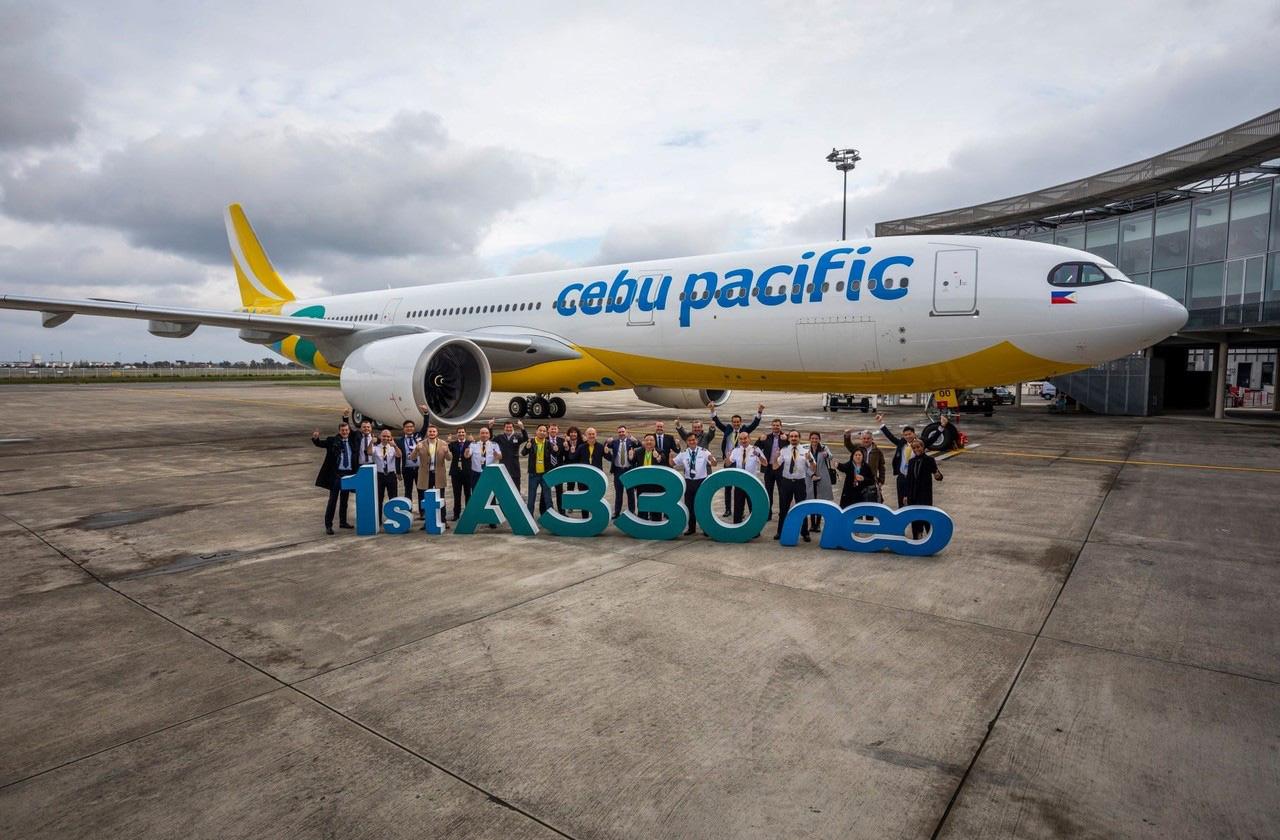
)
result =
(791, 469)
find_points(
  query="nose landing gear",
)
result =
(537, 406)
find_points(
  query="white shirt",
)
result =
(410, 446)
(693, 463)
(363, 444)
(482, 454)
(794, 461)
(384, 457)
(748, 458)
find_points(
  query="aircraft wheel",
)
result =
(932, 437)
(557, 407)
(357, 418)
(517, 407)
(539, 408)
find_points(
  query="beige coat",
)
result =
(424, 465)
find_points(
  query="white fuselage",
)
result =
(896, 313)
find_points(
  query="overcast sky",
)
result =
(375, 144)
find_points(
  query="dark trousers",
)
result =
(902, 490)
(691, 486)
(386, 488)
(461, 491)
(790, 491)
(618, 495)
(410, 476)
(538, 490)
(649, 488)
(430, 485)
(919, 529)
(771, 477)
(339, 500)
(739, 505)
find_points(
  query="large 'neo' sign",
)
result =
(496, 501)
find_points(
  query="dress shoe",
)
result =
(805, 537)
(345, 525)
(777, 536)
(328, 529)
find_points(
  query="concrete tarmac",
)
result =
(185, 653)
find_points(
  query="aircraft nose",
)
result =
(1164, 314)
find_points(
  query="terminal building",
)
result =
(1200, 223)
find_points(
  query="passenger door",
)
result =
(389, 311)
(636, 317)
(955, 282)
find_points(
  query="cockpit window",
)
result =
(1079, 274)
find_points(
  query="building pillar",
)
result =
(1220, 381)
(1017, 394)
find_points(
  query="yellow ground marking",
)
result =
(1125, 461)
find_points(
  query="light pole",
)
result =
(844, 159)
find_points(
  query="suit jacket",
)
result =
(669, 444)
(443, 457)
(595, 459)
(731, 437)
(874, 458)
(406, 447)
(637, 458)
(551, 457)
(566, 452)
(704, 440)
(631, 444)
(765, 442)
(458, 465)
(510, 449)
(329, 469)
(919, 480)
(898, 445)
(852, 491)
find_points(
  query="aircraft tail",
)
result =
(260, 286)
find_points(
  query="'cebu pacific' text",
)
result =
(842, 271)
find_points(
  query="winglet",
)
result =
(260, 286)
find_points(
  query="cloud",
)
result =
(400, 191)
(1177, 101)
(39, 104)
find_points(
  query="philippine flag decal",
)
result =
(1062, 297)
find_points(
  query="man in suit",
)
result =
(771, 444)
(509, 443)
(459, 471)
(339, 461)
(618, 450)
(408, 445)
(902, 453)
(705, 435)
(542, 460)
(432, 454)
(871, 456)
(922, 471)
(557, 442)
(664, 444)
(648, 456)
(730, 439)
(795, 467)
(365, 442)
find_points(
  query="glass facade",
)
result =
(1216, 251)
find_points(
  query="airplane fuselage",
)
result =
(889, 314)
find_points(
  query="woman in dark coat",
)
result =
(922, 471)
(859, 483)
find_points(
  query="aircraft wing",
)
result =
(180, 321)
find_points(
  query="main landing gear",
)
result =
(536, 406)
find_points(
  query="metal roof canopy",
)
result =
(1244, 145)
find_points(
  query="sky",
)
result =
(378, 144)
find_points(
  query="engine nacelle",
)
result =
(389, 378)
(681, 397)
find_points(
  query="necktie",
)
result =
(693, 460)
(793, 461)
(648, 458)
(484, 453)
(659, 441)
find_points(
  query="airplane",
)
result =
(877, 315)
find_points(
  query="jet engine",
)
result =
(389, 378)
(681, 397)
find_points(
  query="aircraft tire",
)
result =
(557, 407)
(539, 408)
(518, 407)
